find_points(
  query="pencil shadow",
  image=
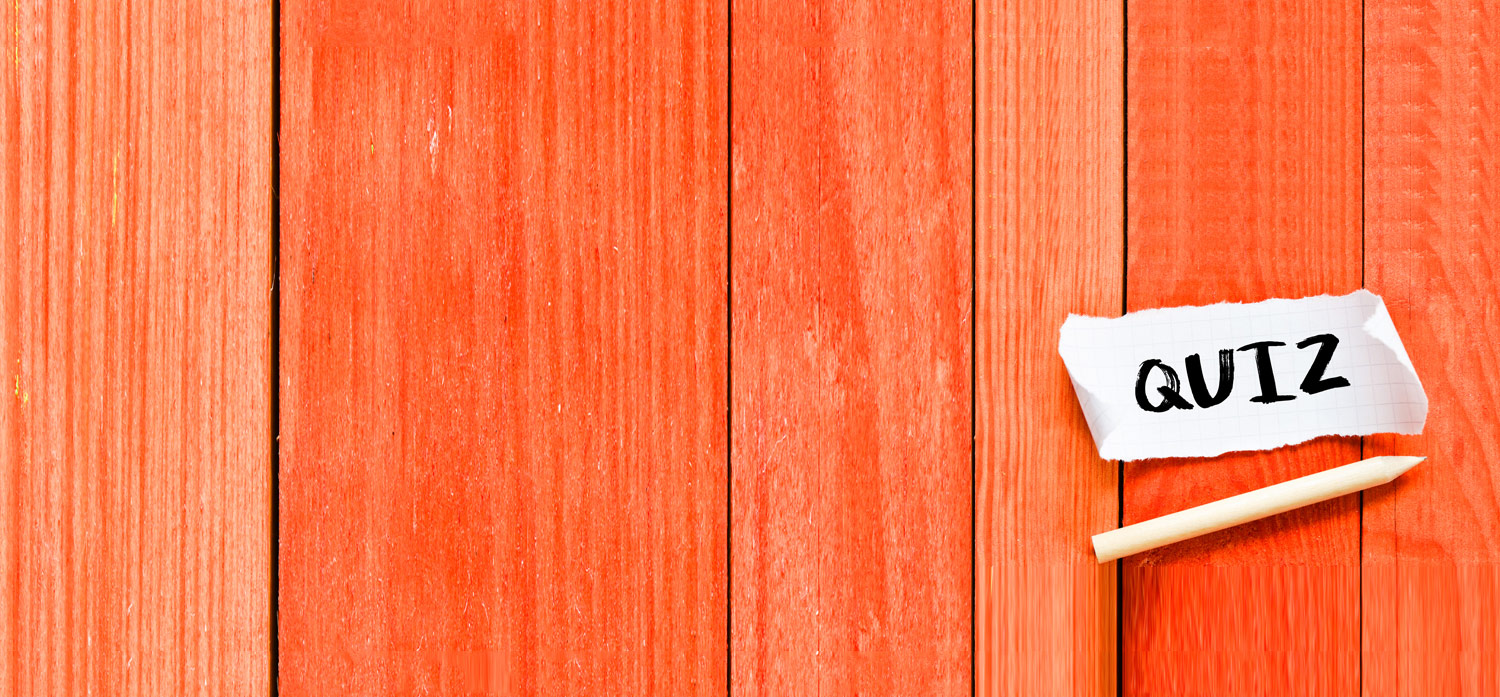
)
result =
(1311, 534)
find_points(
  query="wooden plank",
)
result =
(1432, 542)
(135, 286)
(1049, 241)
(1243, 183)
(851, 348)
(504, 348)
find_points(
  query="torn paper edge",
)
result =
(1377, 323)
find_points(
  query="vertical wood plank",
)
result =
(1432, 541)
(504, 348)
(135, 279)
(1049, 241)
(851, 348)
(1243, 183)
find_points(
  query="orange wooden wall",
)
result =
(851, 349)
(1242, 183)
(136, 548)
(503, 350)
(1431, 544)
(689, 347)
(1048, 240)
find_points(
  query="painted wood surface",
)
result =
(1049, 240)
(511, 290)
(1243, 183)
(135, 325)
(1432, 542)
(504, 348)
(851, 307)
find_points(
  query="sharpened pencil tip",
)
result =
(1396, 465)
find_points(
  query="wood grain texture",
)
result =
(851, 348)
(1432, 542)
(135, 285)
(1243, 183)
(504, 348)
(1049, 241)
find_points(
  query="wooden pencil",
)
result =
(1252, 505)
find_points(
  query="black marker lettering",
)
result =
(1315, 382)
(1170, 391)
(1226, 379)
(1268, 392)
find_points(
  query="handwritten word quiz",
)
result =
(1202, 381)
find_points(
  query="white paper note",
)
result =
(1338, 366)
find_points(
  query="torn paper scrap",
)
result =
(1203, 381)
